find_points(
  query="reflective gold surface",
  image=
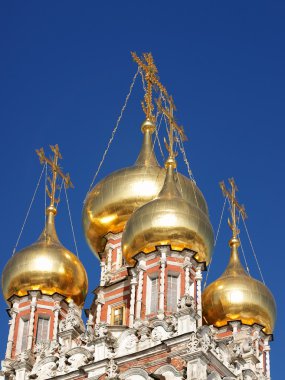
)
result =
(237, 296)
(47, 266)
(113, 200)
(168, 219)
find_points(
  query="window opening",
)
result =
(42, 329)
(172, 282)
(154, 295)
(25, 332)
(118, 316)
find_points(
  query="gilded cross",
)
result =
(231, 195)
(149, 70)
(169, 113)
(56, 171)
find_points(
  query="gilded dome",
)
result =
(46, 266)
(237, 296)
(168, 219)
(110, 203)
(113, 200)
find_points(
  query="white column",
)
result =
(12, 321)
(132, 300)
(99, 301)
(199, 295)
(89, 323)
(139, 292)
(103, 269)
(32, 321)
(109, 260)
(162, 283)
(267, 358)
(187, 266)
(56, 311)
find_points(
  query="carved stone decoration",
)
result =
(186, 302)
(88, 337)
(45, 349)
(193, 344)
(137, 373)
(131, 342)
(100, 330)
(156, 335)
(206, 338)
(214, 376)
(112, 371)
(196, 370)
(25, 358)
(172, 323)
(45, 369)
(249, 375)
(73, 319)
(143, 330)
(102, 334)
(201, 340)
(169, 372)
(247, 346)
(62, 365)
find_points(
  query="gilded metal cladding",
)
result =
(46, 266)
(113, 200)
(168, 219)
(237, 296)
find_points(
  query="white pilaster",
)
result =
(32, 321)
(103, 270)
(187, 266)
(56, 311)
(109, 260)
(12, 321)
(199, 295)
(132, 300)
(99, 301)
(267, 358)
(162, 283)
(139, 292)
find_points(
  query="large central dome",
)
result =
(113, 200)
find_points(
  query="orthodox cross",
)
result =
(149, 70)
(173, 126)
(234, 205)
(56, 171)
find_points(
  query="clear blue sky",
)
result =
(65, 70)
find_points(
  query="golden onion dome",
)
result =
(110, 203)
(237, 296)
(113, 200)
(169, 219)
(46, 266)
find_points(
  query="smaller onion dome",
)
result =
(168, 220)
(47, 266)
(237, 296)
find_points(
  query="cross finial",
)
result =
(149, 70)
(231, 195)
(168, 111)
(56, 171)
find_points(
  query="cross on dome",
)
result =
(56, 171)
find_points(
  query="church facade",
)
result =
(149, 226)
